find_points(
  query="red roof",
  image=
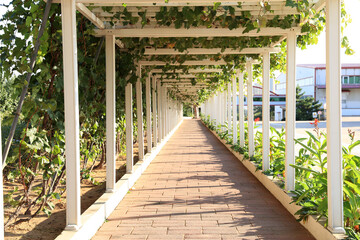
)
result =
(323, 66)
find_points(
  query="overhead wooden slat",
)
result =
(209, 70)
(189, 63)
(154, 9)
(255, 12)
(199, 51)
(164, 3)
(193, 32)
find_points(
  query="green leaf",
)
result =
(28, 21)
(353, 186)
(305, 169)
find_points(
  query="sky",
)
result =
(317, 53)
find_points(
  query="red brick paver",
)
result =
(196, 189)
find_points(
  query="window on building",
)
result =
(357, 79)
(305, 82)
(350, 79)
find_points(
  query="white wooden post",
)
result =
(241, 110)
(168, 106)
(224, 111)
(229, 108)
(333, 103)
(110, 114)
(160, 109)
(139, 113)
(234, 108)
(154, 107)
(1, 190)
(168, 114)
(266, 111)
(208, 107)
(129, 127)
(220, 106)
(290, 111)
(215, 101)
(165, 111)
(212, 108)
(250, 108)
(72, 143)
(164, 106)
(148, 115)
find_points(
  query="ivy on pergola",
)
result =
(171, 33)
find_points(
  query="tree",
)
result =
(305, 106)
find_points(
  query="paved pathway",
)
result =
(196, 189)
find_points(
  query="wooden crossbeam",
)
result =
(108, 16)
(193, 32)
(200, 51)
(139, 3)
(206, 62)
(184, 81)
(150, 11)
(90, 15)
(184, 76)
(209, 70)
(188, 86)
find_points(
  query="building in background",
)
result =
(312, 79)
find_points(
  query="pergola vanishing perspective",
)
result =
(217, 38)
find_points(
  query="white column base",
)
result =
(73, 228)
(337, 230)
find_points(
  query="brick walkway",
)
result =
(196, 189)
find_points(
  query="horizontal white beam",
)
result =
(185, 80)
(188, 63)
(246, 6)
(205, 62)
(199, 51)
(170, 3)
(209, 70)
(180, 76)
(254, 11)
(189, 84)
(193, 32)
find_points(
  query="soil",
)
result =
(43, 227)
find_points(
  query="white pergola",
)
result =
(167, 113)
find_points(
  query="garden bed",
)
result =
(44, 227)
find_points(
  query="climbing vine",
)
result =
(37, 153)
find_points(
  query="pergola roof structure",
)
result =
(256, 29)
(140, 19)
